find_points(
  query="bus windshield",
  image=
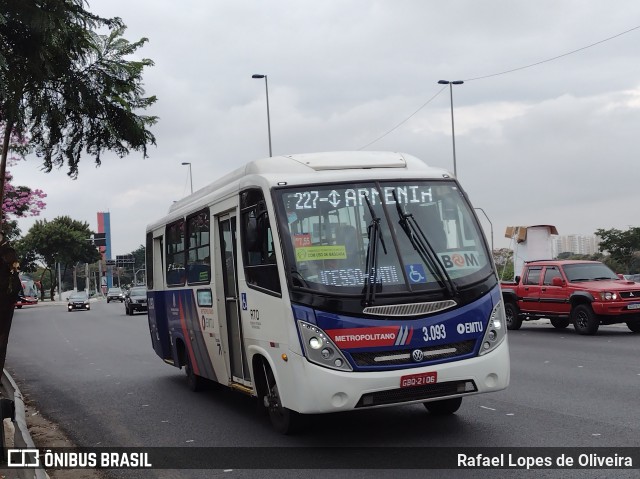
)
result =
(426, 237)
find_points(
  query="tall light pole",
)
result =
(190, 176)
(453, 132)
(266, 86)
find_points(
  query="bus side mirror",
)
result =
(557, 281)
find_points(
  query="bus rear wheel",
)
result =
(195, 382)
(443, 407)
(283, 420)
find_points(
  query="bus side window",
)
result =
(258, 244)
(198, 269)
(149, 260)
(175, 254)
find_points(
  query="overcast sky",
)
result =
(556, 143)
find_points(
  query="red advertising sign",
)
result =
(300, 241)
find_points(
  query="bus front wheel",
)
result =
(283, 420)
(443, 407)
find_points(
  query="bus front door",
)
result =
(238, 358)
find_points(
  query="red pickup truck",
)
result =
(585, 293)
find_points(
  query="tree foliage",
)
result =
(62, 240)
(139, 256)
(127, 275)
(19, 201)
(503, 258)
(623, 247)
(70, 88)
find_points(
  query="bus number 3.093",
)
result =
(434, 332)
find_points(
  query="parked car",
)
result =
(115, 294)
(135, 300)
(28, 294)
(25, 300)
(78, 300)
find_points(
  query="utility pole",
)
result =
(59, 283)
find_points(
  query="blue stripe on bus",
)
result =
(363, 335)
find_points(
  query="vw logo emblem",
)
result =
(417, 355)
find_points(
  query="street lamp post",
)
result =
(135, 276)
(266, 86)
(453, 133)
(490, 224)
(190, 176)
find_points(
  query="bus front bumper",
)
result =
(314, 389)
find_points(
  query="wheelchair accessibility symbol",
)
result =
(243, 299)
(416, 273)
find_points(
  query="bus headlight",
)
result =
(319, 349)
(496, 330)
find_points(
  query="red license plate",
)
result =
(421, 379)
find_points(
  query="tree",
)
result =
(503, 258)
(139, 256)
(18, 200)
(62, 240)
(70, 88)
(140, 259)
(623, 246)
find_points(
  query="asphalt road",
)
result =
(97, 376)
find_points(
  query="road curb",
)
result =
(21, 437)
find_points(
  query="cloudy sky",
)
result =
(556, 143)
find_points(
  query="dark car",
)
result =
(135, 300)
(115, 294)
(78, 300)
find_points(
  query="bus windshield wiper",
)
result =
(371, 268)
(421, 244)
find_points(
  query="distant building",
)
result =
(576, 244)
(530, 243)
(104, 227)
